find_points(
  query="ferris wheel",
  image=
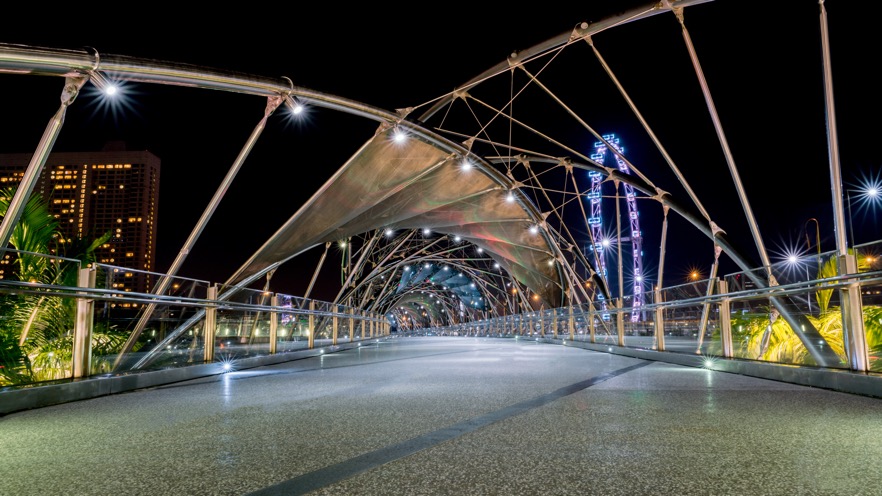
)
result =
(601, 240)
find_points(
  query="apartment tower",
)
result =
(91, 193)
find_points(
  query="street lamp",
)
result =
(808, 244)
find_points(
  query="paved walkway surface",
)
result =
(452, 416)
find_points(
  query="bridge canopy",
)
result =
(416, 184)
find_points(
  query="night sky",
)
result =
(762, 64)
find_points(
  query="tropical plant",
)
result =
(15, 366)
(36, 330)
(830, 268)
(784, 346)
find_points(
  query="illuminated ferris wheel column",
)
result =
(596, 220)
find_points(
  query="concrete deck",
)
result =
(463, 416)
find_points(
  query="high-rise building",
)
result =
(91, 193)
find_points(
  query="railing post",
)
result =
(362, 323)
(554, 323)
(82, 345)
(572, 324)
(620, 322)
(853, 318)
(591, 329)
(210, 324)
(334, 327)
(274, 325)
(351, 325)
(725, 320)
(311, 324)
(659, 322)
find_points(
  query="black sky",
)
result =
(762, 64)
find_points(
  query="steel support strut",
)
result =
(72, 87)
(165, 281)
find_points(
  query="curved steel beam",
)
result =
(581, 32)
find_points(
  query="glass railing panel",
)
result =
(242, 334)
(681, 328)
(871, 296)
(164, 336)
(639, 329)
(159, 329)
(604, 323)
(345, 331)
(36, 320)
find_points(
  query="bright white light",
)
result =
(389, 232)
(227, 366)
(399, 136)
(534, 229)
(792, 259)
(111, 90)
(605, 243)
(708, 362)
(496, 266)
(510, 197)
(480, 250)
(426, 232)
(428, 266)
(466, 165)
(457, 239)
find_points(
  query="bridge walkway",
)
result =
(445, 415)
